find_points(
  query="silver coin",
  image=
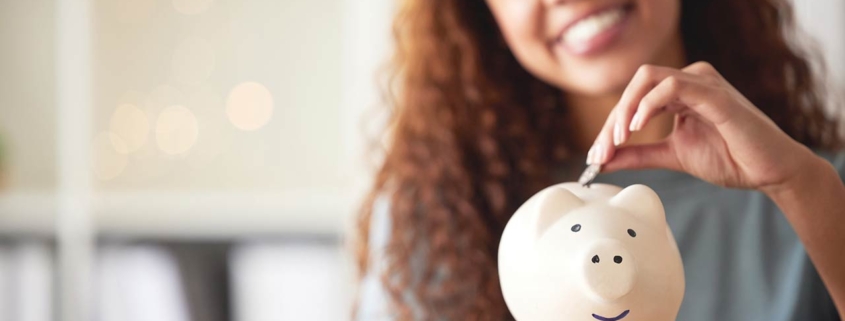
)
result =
(589, 175)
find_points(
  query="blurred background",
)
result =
(195, 160)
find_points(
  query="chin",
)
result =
(599, 80)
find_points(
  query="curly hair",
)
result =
(473, 135)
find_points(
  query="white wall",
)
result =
(825, 21)
(162, 57)
(27, 95)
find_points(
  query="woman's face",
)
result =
(590, 47)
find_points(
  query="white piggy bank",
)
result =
(591, 253)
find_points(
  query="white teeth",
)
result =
(593, 25)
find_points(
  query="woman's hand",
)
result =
(719, 136)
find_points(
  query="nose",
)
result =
(608, 269)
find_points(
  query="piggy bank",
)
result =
(591, 253)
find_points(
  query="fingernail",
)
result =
(617, 134)
(599, 154)
(590, 155)
(595, 153)
(635, 123)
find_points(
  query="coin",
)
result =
(589, 175)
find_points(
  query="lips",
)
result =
(617, 318)
(588, 27)
(594, 29)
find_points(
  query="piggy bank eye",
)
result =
(576, 227)
(632, 233)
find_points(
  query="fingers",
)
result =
(663, 98)
(702, 68)
(697, 89)
(616, 129)
(658, 155)
(602, 149)
(645, 79)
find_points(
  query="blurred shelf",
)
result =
(27, 213)
(219, 214)
(191, 215)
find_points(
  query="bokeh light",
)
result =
(131, 125)
(176, 130)
(249, 106)
(107, 161)
(162, 96)
(193, 61)
(191, 7)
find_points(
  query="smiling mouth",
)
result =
(618, 317)
(598, 30)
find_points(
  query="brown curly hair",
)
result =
(473, 135)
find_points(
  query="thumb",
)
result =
(657, 155)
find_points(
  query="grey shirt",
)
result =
(742, 259)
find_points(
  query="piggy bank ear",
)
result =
(552, 204)
(642, 202)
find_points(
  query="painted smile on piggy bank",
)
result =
(578, 253)
(618, 317)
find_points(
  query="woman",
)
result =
(499, 98)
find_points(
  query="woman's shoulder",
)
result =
(380, 222)
(372, 296)
(373, 303)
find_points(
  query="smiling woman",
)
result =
(501, 98)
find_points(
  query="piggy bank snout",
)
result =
(608, 270)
